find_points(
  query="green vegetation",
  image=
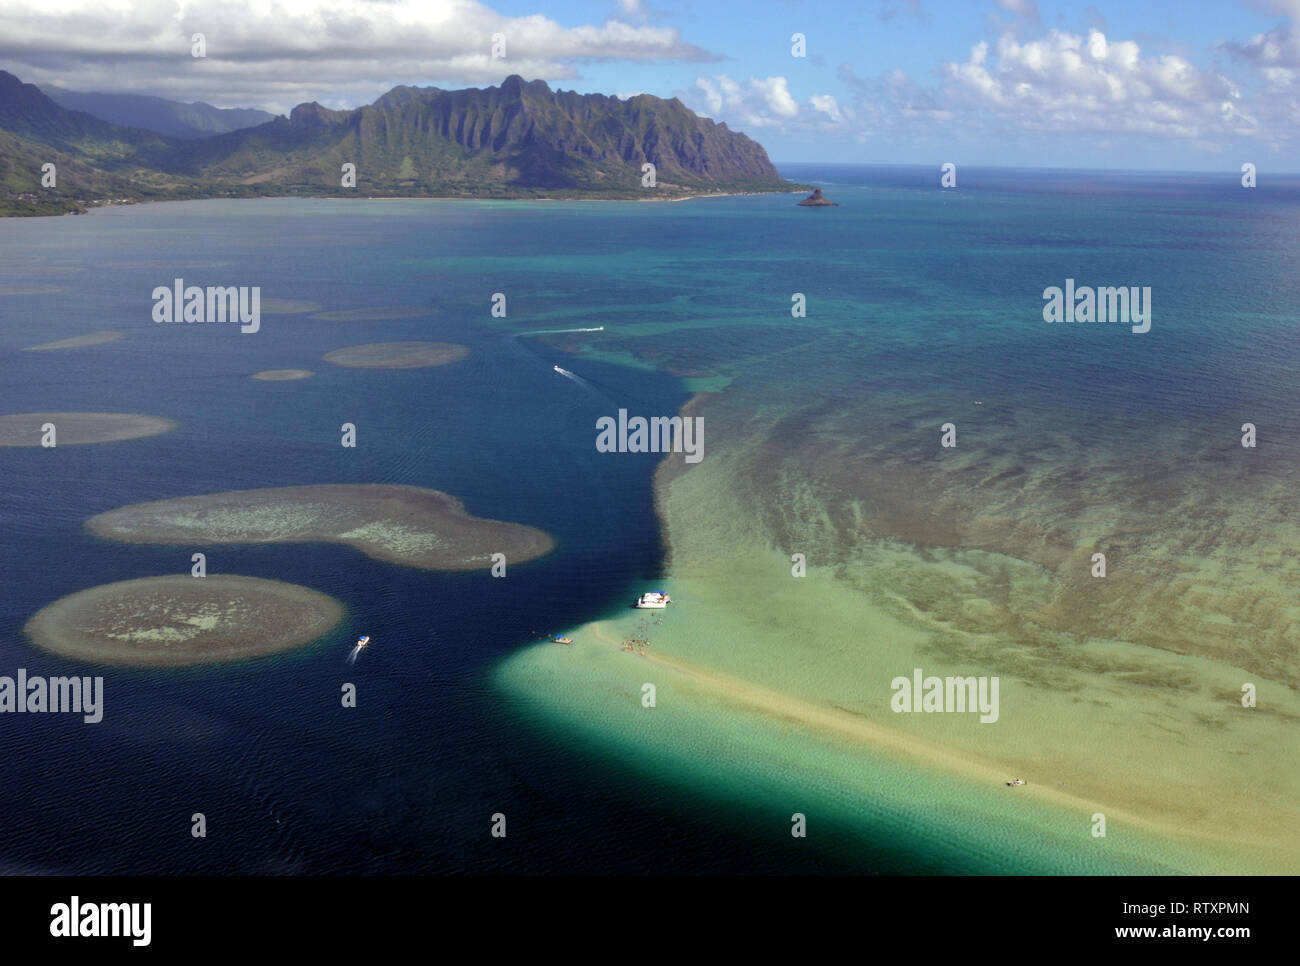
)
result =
(520, 140)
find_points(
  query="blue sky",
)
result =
(1154, 84)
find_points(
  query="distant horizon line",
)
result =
(1027, 167)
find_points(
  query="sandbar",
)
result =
(281, 375)
(289, 306)
(1140, 719)
(178, 621)
(378, 314)
(406, 525)
(397, 355)
(76, 342)
(31, 289)
(24, 429)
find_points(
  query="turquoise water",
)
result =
(920, 303)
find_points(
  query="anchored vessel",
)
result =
(655, 600)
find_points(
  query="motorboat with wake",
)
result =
(358, 648)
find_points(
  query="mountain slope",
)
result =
(519, 140)
(170, 118)
(518, 137)
(29, 113)
(94, 161)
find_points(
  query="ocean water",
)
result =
(822, 438)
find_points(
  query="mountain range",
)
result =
(518, 140)
(172, 118)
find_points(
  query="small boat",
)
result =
(1015, 782)
(558, 369)
(559, 639)
(362, 642)
(655, 600)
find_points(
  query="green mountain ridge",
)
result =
(169, 118)
(518, 140)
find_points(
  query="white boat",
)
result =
(363, 641)
(655, 600)
(558, 369)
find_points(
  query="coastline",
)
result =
(99, 205)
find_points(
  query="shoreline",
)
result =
(100, 205)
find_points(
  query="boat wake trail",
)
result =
(576, 378)
(356, 652)
(533, 332)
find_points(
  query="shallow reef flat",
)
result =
(378, 314)
(1120, 695)
(397, 355)
(288, 307)
(25, 429)
(76, 342)
(406, 525)
(281, 375)
(178, 621)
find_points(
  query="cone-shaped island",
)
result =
(818, 200)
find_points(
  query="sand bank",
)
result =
(281, 375)
(377, 314)
(76, 342)
(178, 621)
(289, 306)
(1155, 739)
(24, 429)
(406, 525)
(397, 355)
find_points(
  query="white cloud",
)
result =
(827, 105)
(1067, 82)
(1274, 53)
(1021, 8)
(263, 54)
(759, 102)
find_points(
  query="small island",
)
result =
(71, 429)
(281, 375)
(406, 525)
(397, 355)
(818, 200)
(179, 621)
